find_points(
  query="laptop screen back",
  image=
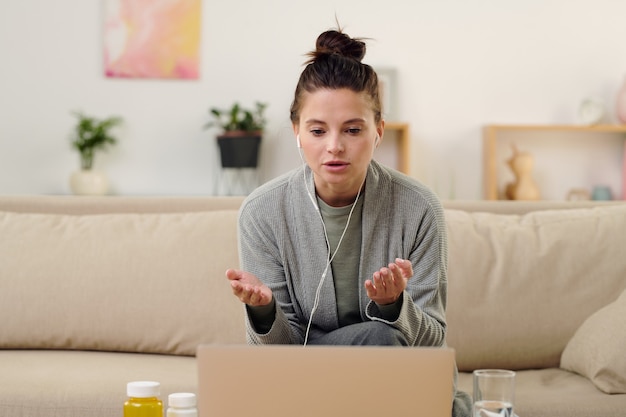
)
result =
(324, 381)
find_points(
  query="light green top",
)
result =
(345, 265)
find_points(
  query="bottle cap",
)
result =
(182, 400)
(143, 389)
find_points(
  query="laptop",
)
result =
(324, 381)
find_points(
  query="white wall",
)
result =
(461, 64)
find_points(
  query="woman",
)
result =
(342, 251)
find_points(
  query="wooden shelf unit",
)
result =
(404, 155)
(490, 144)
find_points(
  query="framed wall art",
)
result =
(152, 38)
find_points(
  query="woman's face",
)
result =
(338, 135)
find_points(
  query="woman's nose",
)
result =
(334, 144)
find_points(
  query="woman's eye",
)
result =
(317, 132)
(354, 130)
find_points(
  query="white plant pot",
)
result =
(89, 182)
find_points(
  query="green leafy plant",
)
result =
(91, 134)
(239, 119)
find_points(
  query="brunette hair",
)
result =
(336, 63)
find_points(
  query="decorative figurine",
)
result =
(524, 187)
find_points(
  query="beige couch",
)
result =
(96, 292)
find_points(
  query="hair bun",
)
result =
(335, 42)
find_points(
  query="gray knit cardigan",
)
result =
(281, 241)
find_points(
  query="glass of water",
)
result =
(494, 393)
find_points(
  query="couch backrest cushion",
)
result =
(121, 282)
(519, 286)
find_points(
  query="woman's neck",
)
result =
(335, 197)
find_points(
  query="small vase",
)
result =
(89, 182)
(601, 193)
(620, 104)
(524, 187)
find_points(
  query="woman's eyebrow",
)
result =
(355, 120)
(317, 121)
(314, 121)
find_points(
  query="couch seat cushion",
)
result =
(555, 392)
(84, 384)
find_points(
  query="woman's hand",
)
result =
(388, 283)
(248, 288)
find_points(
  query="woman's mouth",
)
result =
(335, 166)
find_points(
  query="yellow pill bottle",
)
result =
(143, 399)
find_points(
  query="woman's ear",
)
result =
(380, 130)
(296, 131)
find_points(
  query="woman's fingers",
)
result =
(248, 288)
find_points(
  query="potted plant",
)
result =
(91, 135)
(242, 130)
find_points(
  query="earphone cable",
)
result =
(329, 257)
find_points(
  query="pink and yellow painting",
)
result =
(152, 38)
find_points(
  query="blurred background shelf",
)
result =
(497, 136)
